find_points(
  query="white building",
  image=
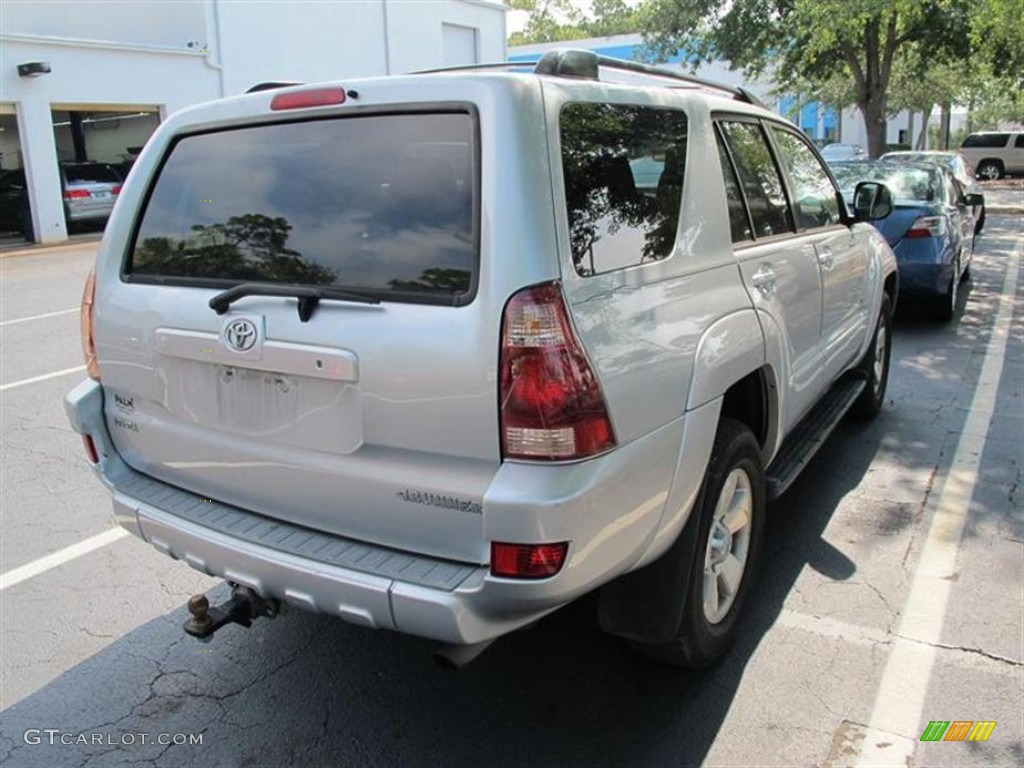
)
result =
(114, 69)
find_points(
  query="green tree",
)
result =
(554, 20)
(809, 41)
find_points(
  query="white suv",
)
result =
(993, 154)
(440, 353)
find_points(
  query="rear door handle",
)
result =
(764, 279)
(825, 258)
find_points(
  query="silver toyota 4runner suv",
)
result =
(440, 353)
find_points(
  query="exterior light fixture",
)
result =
(34, 69)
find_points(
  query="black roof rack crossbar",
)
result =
(271, 85)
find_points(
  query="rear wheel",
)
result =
(875, 365)
(731, 520)
(990, 170)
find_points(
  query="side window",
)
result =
(1018, 143)
(739, 223)
(624, 168)
(815, 199)
(759, 178)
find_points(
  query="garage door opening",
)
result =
(14, 210)
(96, 149)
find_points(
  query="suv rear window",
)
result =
(385, 204)
(623, 168)
(90, 172)
(986, 140)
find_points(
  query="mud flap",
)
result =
(647, 604)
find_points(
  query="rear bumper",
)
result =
(925, 266)
(379, 587)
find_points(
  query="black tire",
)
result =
(700, 641)
(980, 223)
(990, 170)
(871, 400)
(943, 308)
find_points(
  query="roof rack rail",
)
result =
(467, 67)
(584, 64)
(271, 85)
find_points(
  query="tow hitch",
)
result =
(242, 608)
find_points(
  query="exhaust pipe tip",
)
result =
(452, 658)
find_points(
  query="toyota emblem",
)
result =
(240, 335)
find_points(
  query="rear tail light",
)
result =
(90, 449)
(317, 97)
(74, 194)
(527, 561)
(551, 404)
(88, 345)
(927, 226)
(116, 190)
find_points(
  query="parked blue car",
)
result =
(931, 228)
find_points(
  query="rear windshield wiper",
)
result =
(308, 295)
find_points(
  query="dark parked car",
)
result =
(931, 227)
(13, 202)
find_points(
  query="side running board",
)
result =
(810, 434)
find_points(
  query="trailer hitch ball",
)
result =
(199, 607)
(242, 608)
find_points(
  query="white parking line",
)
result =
(44, 377)
(66, 555)
(39, 317)
(895, 722)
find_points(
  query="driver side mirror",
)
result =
(871, 201)
(974, 199)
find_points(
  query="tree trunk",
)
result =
(875, 123)
(910, 128)
(945, 108)
(922, 137)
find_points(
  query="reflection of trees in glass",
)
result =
(598, 140)
(759, 177)
(452, 281)
(247, 247)
(813, 193)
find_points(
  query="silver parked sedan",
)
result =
(90, 190)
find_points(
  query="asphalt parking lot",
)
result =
(890, 595)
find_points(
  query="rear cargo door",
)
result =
(369, 412)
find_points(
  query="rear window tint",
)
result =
(92, 172)
(381, 203)
(986, 140)
(623, 168)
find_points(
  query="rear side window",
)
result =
(739, 224)
(623, 168)
(815, 198)
(86, 173)
(759, 178)
(1018, 143)
(986, 140)
(385, 204)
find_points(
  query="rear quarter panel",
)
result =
(642, 326)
